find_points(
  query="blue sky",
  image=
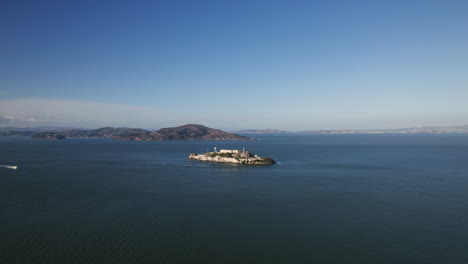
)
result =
(234, 64)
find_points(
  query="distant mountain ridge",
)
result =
(180, 133)
(197, 132)
(200, 132)
(102, 132)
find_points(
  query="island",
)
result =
(232, 156)
(180, 133)
(48, 135)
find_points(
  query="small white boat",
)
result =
(9, 167)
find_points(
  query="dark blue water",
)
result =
(330, 199)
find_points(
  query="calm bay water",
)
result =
(330, 199)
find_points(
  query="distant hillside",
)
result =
(197, 132)
(104, 132)
(186, 132)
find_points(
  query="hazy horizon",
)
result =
(4, 124)
(234, 65)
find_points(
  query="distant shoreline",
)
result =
(413, 130)
(199, 132)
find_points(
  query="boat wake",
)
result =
(9, 167)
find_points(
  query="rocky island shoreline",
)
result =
(232, 156)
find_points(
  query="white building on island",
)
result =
(229, 151)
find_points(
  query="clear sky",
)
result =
(234, 64)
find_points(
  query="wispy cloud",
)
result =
(57, 112)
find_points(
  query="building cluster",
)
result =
(235, 153)
(232, 156)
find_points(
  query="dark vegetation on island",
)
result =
(180, 133)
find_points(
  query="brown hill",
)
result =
(197, 132)
(185, 132)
